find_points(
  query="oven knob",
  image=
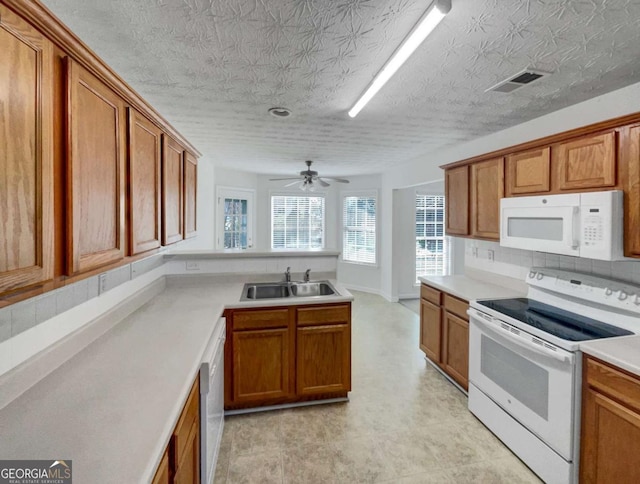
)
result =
(539, 276)
(532, 274)
(636, 301)
(622, 296)
(608, 291)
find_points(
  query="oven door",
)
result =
(532, 382)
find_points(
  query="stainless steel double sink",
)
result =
(283, 290)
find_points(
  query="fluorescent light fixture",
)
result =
(431, 18)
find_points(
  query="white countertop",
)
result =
(468, 288)
(249, 253)
(111, 409)
(623, 352)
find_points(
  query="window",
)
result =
(359, 229)
(297, 222)
(235, 206)
(432, 247)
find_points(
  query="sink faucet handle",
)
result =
(287, 274)
(306, 275)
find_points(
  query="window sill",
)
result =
(364, 264)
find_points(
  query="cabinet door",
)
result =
(172, 190)
(588, 162)
(26, 155)
(261, 365)
(324, 359)
(95, 177)
(145, 140)
(163, 476)
(528, 172)
(455, 355)
(430, 330)
(188, 469)
(630, 149)
(190, 193)
(487, 188)
(457, 200)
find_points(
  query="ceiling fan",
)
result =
(308, 178)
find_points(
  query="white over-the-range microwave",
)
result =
(586, 224)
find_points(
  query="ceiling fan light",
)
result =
(428, 22)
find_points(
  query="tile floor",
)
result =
(404, 423)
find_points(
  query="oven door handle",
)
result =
(497, 329)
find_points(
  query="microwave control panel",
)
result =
(601, 225)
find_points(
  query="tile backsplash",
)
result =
(490, 257)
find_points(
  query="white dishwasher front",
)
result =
(212, 403)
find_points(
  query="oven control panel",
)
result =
(618, 294)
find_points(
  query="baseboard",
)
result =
(412, 295)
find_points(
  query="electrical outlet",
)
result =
(192, 265)
(474, 252)
(102, 283)
(490, 255)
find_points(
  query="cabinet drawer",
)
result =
(456, 306)
(189, 416)
(261, 319)
(308, 316)
(430, 294)
(616, 383)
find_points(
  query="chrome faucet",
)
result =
(287, 275)
(306, 275)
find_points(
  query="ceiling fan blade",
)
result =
(339, 180)
(281, 179)
(322, 182)
(292, 183)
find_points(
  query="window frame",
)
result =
(361, 194)
(298, 193)
(446, 239)
(250, 194)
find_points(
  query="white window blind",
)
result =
(433, 254)
(359, 229)
(297, 222)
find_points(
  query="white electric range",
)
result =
(525, 366)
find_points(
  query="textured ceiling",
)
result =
(214, 67)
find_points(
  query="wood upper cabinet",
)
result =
(610, 442)
(456, 185)
(190, 194)
(630, 157)
(172, 190)
(487, 188)
(96, 137)
(528, 172)
(145, 142)
(588, 162)
(26, 155)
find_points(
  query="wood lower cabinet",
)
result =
(610, 443)
(287, 354)
(180, 463)
(456, 186)
(26, 155)
(261, 364)
(528, 172)
(323, 348)
(487, 188)
(95, 172)
(145, 142)
(172, 190)
(444, 332)
(588, 162)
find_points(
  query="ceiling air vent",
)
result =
(522, 78)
